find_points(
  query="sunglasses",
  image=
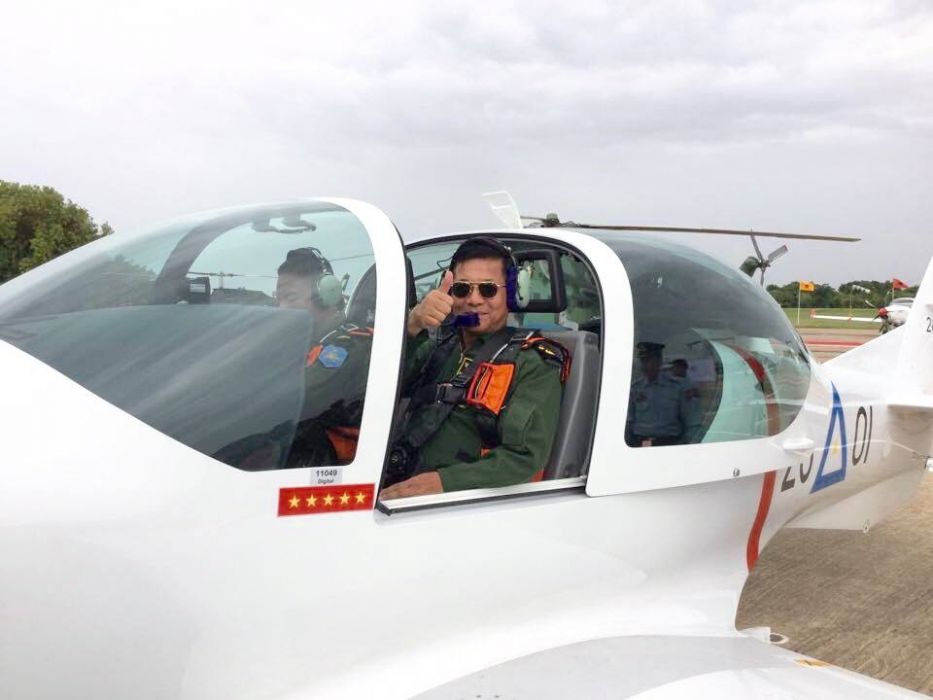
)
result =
(462, 290)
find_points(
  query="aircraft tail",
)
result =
(913, 381)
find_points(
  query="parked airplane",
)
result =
(899, 310)
(159, 540)
(895, 314)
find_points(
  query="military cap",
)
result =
(646, 349)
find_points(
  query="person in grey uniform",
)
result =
(661, 405)
(678, 370)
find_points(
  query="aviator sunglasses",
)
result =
(462, 290)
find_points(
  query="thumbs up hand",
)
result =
(431, 311)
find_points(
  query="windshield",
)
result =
(203, 328)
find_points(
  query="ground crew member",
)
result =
(885, 319)
(661, 407)
(678, 370)
(455, 456)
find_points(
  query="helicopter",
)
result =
(144, 557)
(505, 208)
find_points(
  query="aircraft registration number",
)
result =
(325, 476)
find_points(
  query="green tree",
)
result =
(785, 295)
(38, 224)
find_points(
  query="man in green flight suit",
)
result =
(337, 363)
(337, 366)
(456, 454)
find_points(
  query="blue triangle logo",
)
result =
(835, 444)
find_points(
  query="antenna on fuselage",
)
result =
(505, 208)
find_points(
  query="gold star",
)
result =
(328, 500)
(835, 448)
(311, 501)
(360, 497)
(344, 499)
(293, 501)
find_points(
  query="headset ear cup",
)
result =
(513, 300)
(328, 292)
(523, 286)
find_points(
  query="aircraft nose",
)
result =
(75, 457)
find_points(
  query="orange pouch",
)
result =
(490, 386)
(344, 442)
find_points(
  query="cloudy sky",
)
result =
(813, 117)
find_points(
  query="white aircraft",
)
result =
(897, 313)
(152, 547)
(899, 310)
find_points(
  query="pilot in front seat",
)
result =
(484, 398)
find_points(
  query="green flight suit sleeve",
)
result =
(526, 427)
(417, 349)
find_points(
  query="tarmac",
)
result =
(860, 601)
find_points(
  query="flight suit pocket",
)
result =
(515, 422)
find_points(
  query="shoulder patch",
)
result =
(313, 354)
(332, 356)
(553, 352)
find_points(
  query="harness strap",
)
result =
(486, 384)
(438, 400)
(493, 384)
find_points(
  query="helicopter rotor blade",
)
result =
(776, 253)
(761, 258)
(688, 229)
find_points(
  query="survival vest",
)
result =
(485, 384)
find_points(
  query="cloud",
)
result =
(796, 114)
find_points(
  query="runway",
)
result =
(862, 602)
(826, 343)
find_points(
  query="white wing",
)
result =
(664, 667)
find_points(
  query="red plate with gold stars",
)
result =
(337, 498)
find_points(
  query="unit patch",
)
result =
(332, 356)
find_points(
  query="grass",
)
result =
(807, 322)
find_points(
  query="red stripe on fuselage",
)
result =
(840, 343)
(764, 505)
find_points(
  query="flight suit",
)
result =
(327, 429)
(335, 388)
(526, 426)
